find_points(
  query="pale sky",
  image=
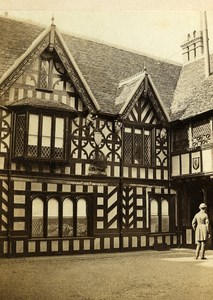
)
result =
(154, 27)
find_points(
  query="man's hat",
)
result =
(202, 205)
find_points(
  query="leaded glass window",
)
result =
(180, 139)
(81, 217)
(45, 73)
(192, 135)
(53, 219)
(67, 217)
(20, 135)
(40, 136)
(147, 148)
(138, 146)
(201, 133)
(37, 218)
(128, 146)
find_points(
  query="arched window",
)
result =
(52, 216)
(82, 217)
(56, 216)
(154, 216)
(165, 215)
(37, 218)
(160, 210)
(67, 217)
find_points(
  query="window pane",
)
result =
(128, 145)
(165, 223)
(37, 218)
(165, 208)
(165, 216)
(147, 148)
(59, 138)
(138, 147)
(33, 135)
(154, 224)
(180, 139)
(81, 217)
(46, 137)
(44, 74)
(154, 216)
(52, 217)
(20, 130)
(201, 133)
(67, 217)
(59, 128)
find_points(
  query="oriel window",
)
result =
(40, 136)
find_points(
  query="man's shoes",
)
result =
(203, 258)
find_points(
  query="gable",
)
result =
(26, 90)
(140, 101)
(99, 67)
(143, 112)
(27, 70)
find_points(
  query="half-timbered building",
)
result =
(101, 149)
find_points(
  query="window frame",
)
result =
(171, 212)
(60, 198)
(133, 133)
(192, 140)
(50, 61)
(41, 113)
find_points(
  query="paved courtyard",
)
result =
(173, 274)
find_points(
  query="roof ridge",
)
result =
(21, 19)
(93, 39)
(119, 47)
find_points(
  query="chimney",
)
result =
(197, 45)
(193, 47)
(206, 45)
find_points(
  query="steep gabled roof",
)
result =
(105, 66)
(102, 66)
(194, 92)
(15, 38)
(132, 88)
(126, 91)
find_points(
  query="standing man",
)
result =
(200, 224)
